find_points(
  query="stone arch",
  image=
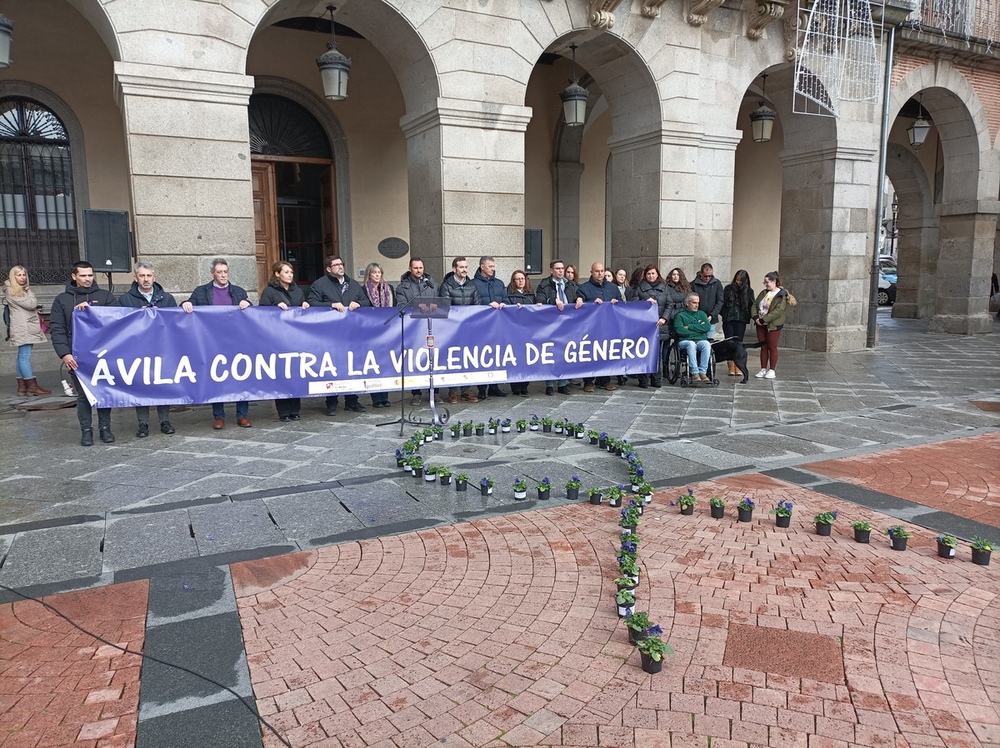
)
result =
(338, 142)
(96, 13)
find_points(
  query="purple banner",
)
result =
(166, 357)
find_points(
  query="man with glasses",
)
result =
(338, 291)
(559, 291)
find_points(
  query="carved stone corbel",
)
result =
(765, 12)
(651, 8)
(699, 10)
(602, 13)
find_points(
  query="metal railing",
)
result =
(965, 19)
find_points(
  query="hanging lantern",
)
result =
(574, 98)
(762, 118)
(333, 66)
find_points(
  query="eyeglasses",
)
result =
(335, 263)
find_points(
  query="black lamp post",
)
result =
(574, 98)
(334, 67)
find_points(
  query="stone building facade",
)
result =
(206, 122)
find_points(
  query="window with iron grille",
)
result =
(37, 213)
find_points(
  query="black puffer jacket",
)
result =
(709, 296)
(134, 299)
(61, 318)
(326, 291)
(461, 294)
(275, 294)
(671, 301)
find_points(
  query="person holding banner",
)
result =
(146, 292)
(597, 291)
(492, 292)
(651, 288)
(557, 290)
(220, 292)
(462, 291)
(81, 292)
(284, 293)
(519, 292)
(338, 291)
(413, 283)
(379, 294)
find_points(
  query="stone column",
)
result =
(917, 252)
(187, 137)
(466, 183)
(713, 238)
(566, 211)
(826, 220)
(967, 235)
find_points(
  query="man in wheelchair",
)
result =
(692, 327)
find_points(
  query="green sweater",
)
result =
(692, 325)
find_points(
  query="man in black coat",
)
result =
(559, 291)
(146, 292)
(341, 292)
(413, 283)
(462, 291)
(710, 295)
(81, 293)
(597, 290)
(220, 292)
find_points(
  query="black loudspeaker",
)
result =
(533, 251)
(107, 241)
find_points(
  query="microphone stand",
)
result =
(402, 360)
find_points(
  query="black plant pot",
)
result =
(898, 544)
(593, 440)
(438, 437)
(547, 428)
(780, 521)
(602, 443)
(572, 494)
(461, 485)
(418, 472)
(467, 431)
(521, 429)
(445, 480)
(634, 637)
(485, 490)
(480, 432)
(543, 494)
(862, 536)
(745, 515)
(945, 550)
(650, 665)
(689, 510)
(718, 512)
(614, 502)
(981, 558)
(595, 499)
(399, 462)
(824, 528)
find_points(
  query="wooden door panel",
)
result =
(265, 220)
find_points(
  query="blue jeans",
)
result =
(24, 361)
(704, 351)
(242, 408)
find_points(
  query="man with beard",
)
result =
(412, 284)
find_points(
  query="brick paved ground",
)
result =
(503, 632)
(60, 686)
(959, 476)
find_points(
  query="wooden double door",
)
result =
(295, 215)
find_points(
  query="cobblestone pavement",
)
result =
(297, 570)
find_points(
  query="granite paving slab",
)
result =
(53, 555)
(316, 514)
(220, 528)
(133, 541)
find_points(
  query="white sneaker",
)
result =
(770, 374)
(761, 374)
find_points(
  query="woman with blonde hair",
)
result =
(25, 328)
(380, 294)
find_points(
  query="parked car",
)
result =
(887, 281)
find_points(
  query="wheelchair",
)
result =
(675, 367)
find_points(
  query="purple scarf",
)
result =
(380, 294)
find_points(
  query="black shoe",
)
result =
(106, 436)
(622, 381)
(549, 391)
(496, 392)
(294, 417)
(86, 437)
(167, 428)
(656, 385)
(524, 392)
(284, 419)
(143, 431)
(643, 386)
(331, 411)
(356, 407)
(564, 390)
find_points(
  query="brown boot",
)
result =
(733, 371)
(22, 389)
(34, 390)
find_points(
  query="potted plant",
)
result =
(467, 428)
(595, 495)
(428, 435)
(982, 549)
(717, 505)
(686, 502)
(417, 466)
(557, 426)
(520, 488)
(400, 458)
(782, 513)
(570, 429)
(493, 425)
(632, 538)
(745, 509)
(615, 495)
(898, 536)
(639, 507)
(862, 531)
(637, 624)
(651, 652)
(593, 436)
(624, 449)
(628, 549)
(534, 423)
(626, 602)
(636, 475)
(505, 426)
(431, 473)
(456, 430)
(461, 481)
(646, 493)
(444, 473)
(946, 546)
(438, 432)
(544, 487)
(573, 486)
(522, 425)
(547, 425)
(629, 569)
(626, 583)
(630, 518)
(602, 440)
(486, 485)
(824, 522)
(580, 431)
(480, 428)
